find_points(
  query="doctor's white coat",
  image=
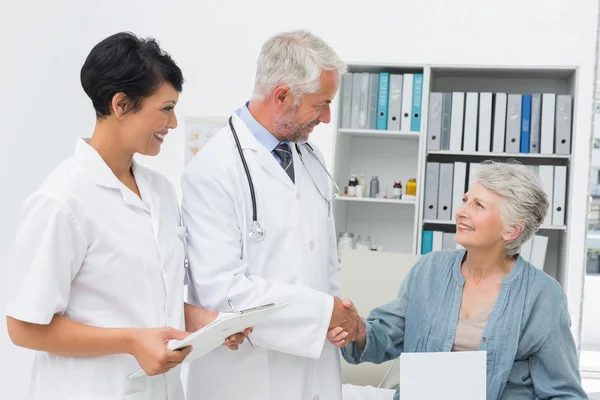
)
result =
(296, 263)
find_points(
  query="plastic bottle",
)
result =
(374, 187)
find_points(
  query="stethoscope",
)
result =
(257, 232)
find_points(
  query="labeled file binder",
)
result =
(560, 192)
(364, 101)
(356, 86)
(382, 103)
(538, 251)
(484, 139)
(458, 186)
(547, 130)
(372, 109)
(499, 131)
(415, 122)
(471, 110)
(432, 178)
(526, 249)
(446, 114)
(525, 122)
(513, 124)
(563, 124)
(536, 123)
(472, 174)
(448, 241)
(426, 242)
(445, 192)
(457, 120)
(438, 239)
(434, 124)
(347, 100)
(407, 95)
(395, 102)
(546, 174)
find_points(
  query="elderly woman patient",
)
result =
(483, 297)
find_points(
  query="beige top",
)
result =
(469, 330)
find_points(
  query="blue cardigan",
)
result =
(530, 349)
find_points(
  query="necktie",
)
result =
(285, 155)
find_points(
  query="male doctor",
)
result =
(289, 255)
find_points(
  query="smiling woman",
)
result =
(484, 297)
(99, 245)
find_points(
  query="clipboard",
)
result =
(213, 335)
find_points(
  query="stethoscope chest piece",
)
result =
(257, 233)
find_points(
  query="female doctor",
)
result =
(100, 247)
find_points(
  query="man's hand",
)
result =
(346, 317)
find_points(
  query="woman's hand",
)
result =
(149, 347)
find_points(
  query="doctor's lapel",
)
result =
(264, 157)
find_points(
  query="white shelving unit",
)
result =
(394, 155)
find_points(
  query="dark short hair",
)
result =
(124, 63)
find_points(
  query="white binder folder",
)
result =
(546, 174)
(214, 334)
(470, 135)
(445, 192)
(538, 251)
(456, 121)
(395, 102)
(432, 179)
(485, 122)
(499, 122)
(513, 124)
(560, 191)
(407, 94)
(547, 128)
(458, 186)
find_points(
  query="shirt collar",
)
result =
(261, 133)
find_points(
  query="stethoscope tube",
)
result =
(250, 184)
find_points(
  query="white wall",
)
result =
(216, 44)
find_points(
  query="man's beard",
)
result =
(286, 127)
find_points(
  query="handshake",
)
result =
(346, 326)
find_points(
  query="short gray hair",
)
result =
(294, 59)
(525, 202)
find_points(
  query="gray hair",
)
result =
(294, 59)
(525, 202)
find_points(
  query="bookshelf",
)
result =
(392, 155)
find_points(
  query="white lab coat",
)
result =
(296, 263)
(89, 249)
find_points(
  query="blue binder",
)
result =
(427, 242)
(525, 123)
(382, 100)
(417, 98)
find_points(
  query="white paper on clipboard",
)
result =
(214, 334)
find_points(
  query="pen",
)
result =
(233, 309)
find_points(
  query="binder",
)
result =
(448, 241)
(560, 192)
(472, 174)
(214, 334)
(415, 121)
(459, 183)
(499, 131)
(395, 102)
(364, 101)
(382, 102)
(355, 115)
(525, 122)
(372, 109)
(456, 121)
(446, 114)
(445, 192)
(546, 174)
(438, 239)
(513, 124)
(563, 124)
(426, 242)
(434, 124)
(538, 251)
(536, 120)
(407, 95)
(526, 249)
(432, 177)
(471, 108)
(347, 100)
(485, 122)
(547, 129)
